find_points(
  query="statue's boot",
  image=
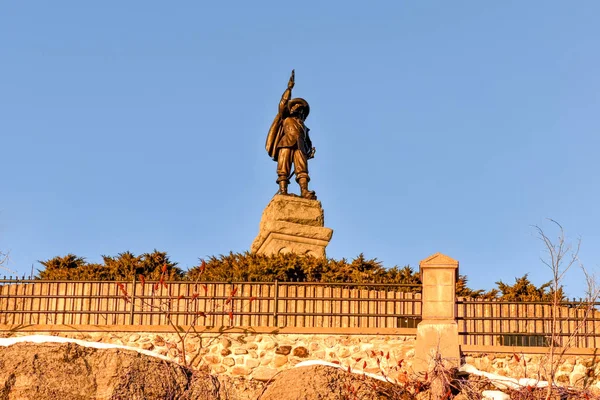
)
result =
(283, 185)
(304, 192)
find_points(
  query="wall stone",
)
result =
(261, 356)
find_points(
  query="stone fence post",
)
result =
(437, 333)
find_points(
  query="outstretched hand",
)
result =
(291, 81)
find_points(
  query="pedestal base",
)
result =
(437, 341)
(292, 224)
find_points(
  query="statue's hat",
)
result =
(299, 101)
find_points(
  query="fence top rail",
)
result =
(573, 303)
(189, 282)
(565, 334)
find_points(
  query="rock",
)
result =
(343, 352)
(240, 370)
(327, 383)
(226, 343)
(565, 367)
(236, 388)
(171, 345)
(190, 347)
(292, 224)
(301, 352)
(159, 341)
(225, 352)
(147, 346)
(228, 361)
(279, 361)
(562, 378)
(269, 345)
(203, 351)
(238, 352)
(48, 371)
(264, 374)
(116, 340)
(319, 355)
(266, 361)
(284, 350)
(252, 363)
(212, 359)
(134, 337)
(219, 369)
(251, 346)
(194, 339)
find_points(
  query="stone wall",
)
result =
(574, 370)
(261, 356)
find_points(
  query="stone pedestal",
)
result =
(292, 224)
(437, 334)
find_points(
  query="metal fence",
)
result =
(510, 323)
(212, 304)
(290, 304)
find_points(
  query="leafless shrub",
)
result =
(166, 307)
(561, 256)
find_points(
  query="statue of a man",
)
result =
(288, 142)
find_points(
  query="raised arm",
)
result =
(287, 94)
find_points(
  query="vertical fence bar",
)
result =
(275, 301)
(132, 304)
(3, 315)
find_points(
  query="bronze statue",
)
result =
(288, 142)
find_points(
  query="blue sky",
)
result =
(439, 126)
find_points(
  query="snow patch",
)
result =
(5, 342)
(503, 382)
(494, 395)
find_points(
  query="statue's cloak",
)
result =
(274, 136)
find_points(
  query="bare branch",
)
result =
(3, 261)
(562, 255)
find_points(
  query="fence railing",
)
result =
(510, 323)
(214, 304)
(289, 304)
